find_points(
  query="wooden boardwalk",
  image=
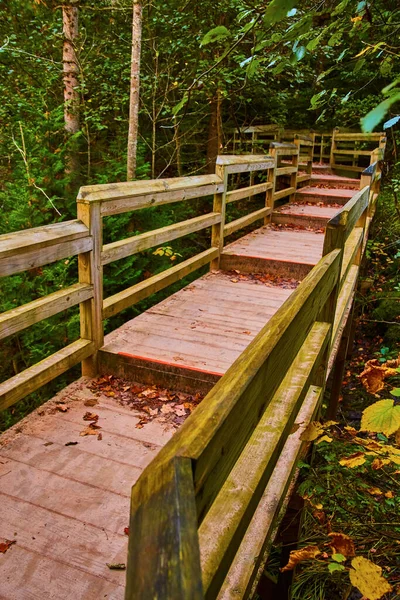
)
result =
(65, 496)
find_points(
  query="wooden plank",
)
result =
(163, 553)
(351, 248)
(345, 298)
(34, 377)
(340, 167)
(359, 137)
(246, 220)
(284, 193)
(36, 238)
(138, 243)
(348, 215)
(247, 192)
(305, 177)
(221, 531)
(114, 304)
(17, 319)
(354, 152)
(285, 171)
(26, 258)
(253, 550)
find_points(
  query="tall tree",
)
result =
(134, 88)
(71, 76)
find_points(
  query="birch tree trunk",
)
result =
(134, 89)
(71, 76)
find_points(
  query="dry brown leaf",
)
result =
(378, 463)
(374, 491)
(354, 460)
(62, 407)
(342, 544)
(389, 494)
(312, 431)
(4, 546)
(91, 402)
(298, 556)
(374, 374)
(88, 416)
(166, 409)
(397, 437)
(91, 430)
(351, 430)
(367, 578)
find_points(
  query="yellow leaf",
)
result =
(354, 460)
(374, 491)
(356, 20)
(374, 374)
(367, 577)
(378, 463)
(389, 494)
(329, 424)
(312, 431)
(342, 544)
(397, 437)
(297, 556)
(381, 417)
(364, 50)
(324, 438)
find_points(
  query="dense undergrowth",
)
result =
(352, 487)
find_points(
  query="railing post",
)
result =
(91, 271)
(271, 178)
(293, 176)
(219, 205)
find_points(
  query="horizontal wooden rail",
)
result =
(284, 193)
(44, 371)
(24, 316)
(285, 171)
(138, 243)
(353, 152)
(114, 304)
(247, 192)
(40, 246)
(245, 164)
(233, 226)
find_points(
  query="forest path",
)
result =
(66, 475)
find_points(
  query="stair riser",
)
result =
(254, 264)
(147, 371)
(300, 220)
(315, 198)
(335, 184)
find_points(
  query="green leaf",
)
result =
(180, 105)
(316, 99)
(252, 68)
(359, 65)
(396, 392)
(278, 10)
(313, 43)
(381, 417)
(215, 35)
(335, 567)
(338, 557)
(377, 114)
(300, 53)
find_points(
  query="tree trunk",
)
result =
(134, 88)
(214, 132)
(71, 77)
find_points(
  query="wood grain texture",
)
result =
(163, 553)
(246, 220)
(17, 319)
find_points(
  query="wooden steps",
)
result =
(189, 340)
(334, 181)
(283, 252)
(325, 195)
(303, 215)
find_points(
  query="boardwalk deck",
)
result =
(65, 497)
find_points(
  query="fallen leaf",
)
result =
(100, 437)
(397, 437)
(342, 544)
(367, 578)
(354, 460)
(166, 409)
(378, 463)
(116, 566)
(48, 444)
(374, 375)
(389, 494)
(374, 491)
(324, 438)
(126, 530)
(381, 417)
(91, 402)
(62, 407)
(298, 556)
(91, 430)
(4, 546)
(312, 431)
(88, 416)
(71, 444)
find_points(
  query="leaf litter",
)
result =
(151, 402)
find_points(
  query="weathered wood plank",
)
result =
(163, 551)
(284, 193)
(114, 304)
(30, 259)
(19, 242)
(138, 243)
(253, 550)
(285, 171)
(38, 375)
(222, 529)
(17, 319)
(359, 137)
(351, 249)
(247, 192)
(354, 152)
(246, 220)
